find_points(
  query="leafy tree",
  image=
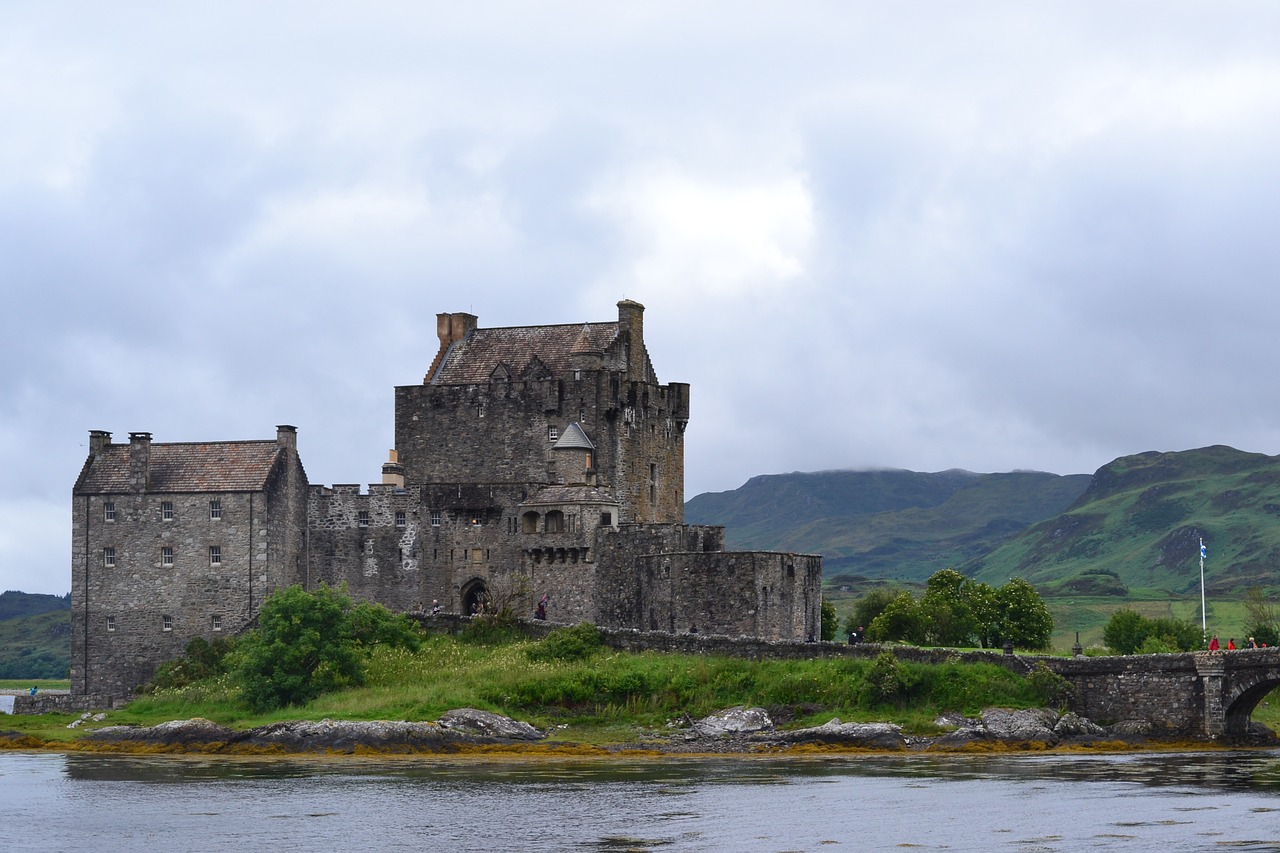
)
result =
(1261, 617)
(308, 643)
(1125, 631)
(867, 608)
(1024, 619)
(948, 610)
(901, 620)
(830, 621)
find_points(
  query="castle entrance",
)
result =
(475, 597)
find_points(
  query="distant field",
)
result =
(39, 683)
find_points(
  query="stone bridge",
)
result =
(1195, 694)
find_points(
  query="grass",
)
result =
(39, 683)
(607, 697)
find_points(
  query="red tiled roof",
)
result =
(473, 359)
(222, 466)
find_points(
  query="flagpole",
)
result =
(1204, 622)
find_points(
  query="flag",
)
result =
(1204, 552)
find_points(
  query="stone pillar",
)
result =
(1212, 670)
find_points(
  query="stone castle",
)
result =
(530, 461)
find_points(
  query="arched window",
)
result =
(555, 521)
(529, 522)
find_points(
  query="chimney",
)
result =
(139, 460)
(287, 437)
(451, 328)
(631, 323)
(393, 471)
(99, 440)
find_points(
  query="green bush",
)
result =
(577, 643)
(887, 682)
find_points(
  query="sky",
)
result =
(920, 235)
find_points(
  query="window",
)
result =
(400, 518)
(166, 511)
(167, 623)
(109, 511)
(362, 518)
(215, 621)
(111, 623)
(653, 483)
(553, 433)
(109, 558)
(215, 510)
(435, 518)
(215, 555)
(555, 521)
(166, 555)
(606, 519)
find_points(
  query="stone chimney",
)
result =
(631, 324)
(99, 440)
(139, 460)
(451, 328)
(287, 437)
(393, 471)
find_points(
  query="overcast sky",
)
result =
(914, 235)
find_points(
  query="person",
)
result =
(853, 637)
(33, 690)
(1253, 644)
(1213, 644)
(435, 607)
(1231, 644)
(541, 611)
(693, 629)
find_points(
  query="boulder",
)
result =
(489, 724)
(887, 736)
(196, 731)
(1072, 725)
(1032, 725)
(733, 721)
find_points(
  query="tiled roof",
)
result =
(473, 359)
(223, 466)
(574, 439)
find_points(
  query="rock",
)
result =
(489, 724)
(173, 733)
(1032, 725)
(1130, 728)
(349, 735)
(1072, 724)
(886, 736)
(734, 721)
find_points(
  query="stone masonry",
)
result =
(531, 461)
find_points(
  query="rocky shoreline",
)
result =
(735, 731)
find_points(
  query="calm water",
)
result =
(1219, 801)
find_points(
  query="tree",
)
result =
(830, 621)
(1261, 617)
(948, 611)
(308, 643)
(867, 608)
(1024, 619)
(1125, 631)
(901, 620)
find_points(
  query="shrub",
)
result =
(887, 682)
(576, 643)
(1054, 690)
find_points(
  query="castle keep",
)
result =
(529, 461)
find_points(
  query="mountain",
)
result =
(35, 635)
(1139, 524)
(889, 524)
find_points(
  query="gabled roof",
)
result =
(474, 358)
(223, 466)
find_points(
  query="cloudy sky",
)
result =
(920, 235)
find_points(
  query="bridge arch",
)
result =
(1244, 696)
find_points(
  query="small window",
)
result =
(475, 518)
(167, 623)
(435, 518)
(215, 621)
(553, 433)
(166, 511)
(111, 623)
(109, 511)
(166, 556)
(215, 555)
(606, 519)
(215, 510)
(362, 518)
(400, 519)
(109, 558)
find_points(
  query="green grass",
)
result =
(607, 697)
(40, 683)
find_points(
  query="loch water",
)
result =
(1131, 802)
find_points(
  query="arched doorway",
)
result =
(475, 597)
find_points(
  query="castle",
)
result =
(530, 461)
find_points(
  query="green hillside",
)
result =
(885, 524)
(35, 635)
(1138, 526)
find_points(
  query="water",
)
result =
(1226, 801)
